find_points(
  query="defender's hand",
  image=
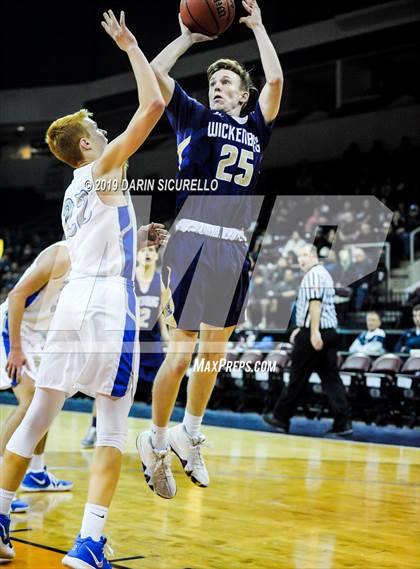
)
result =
(118, 31)
(254, 19)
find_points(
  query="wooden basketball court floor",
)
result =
(275, 502)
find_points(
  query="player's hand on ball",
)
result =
(316, 341)
(15, 362)
(194, 38)
(254, 19)
(118, 30)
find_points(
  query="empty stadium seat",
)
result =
(281, 359)
(406, 392)
(226, 394)
(252, 394)
(352, 373)
(380, 382)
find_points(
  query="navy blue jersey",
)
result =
(213, 145)
(149, 304)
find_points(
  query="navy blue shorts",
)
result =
(208, 279)
(149, 366)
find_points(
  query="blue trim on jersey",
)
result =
(31, 299)
(5, 336)
(376, 338)
(128, 242)
(125, 366)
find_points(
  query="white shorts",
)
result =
(32, 346)
(92, 344)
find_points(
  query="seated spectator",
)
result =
(348, 230)
(410, 340)
(412, 222)
(294, 244)
(359, 272)
(396, 239)
(371, 342)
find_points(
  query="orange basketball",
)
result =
(208, 17)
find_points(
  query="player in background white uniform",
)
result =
(96, 311)
(25, 317)
(149, 296)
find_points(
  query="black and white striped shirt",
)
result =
(317, 284)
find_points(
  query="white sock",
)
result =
(94, 520)
(192, 423)
(6, 498)
(37, 463)
(159, 437)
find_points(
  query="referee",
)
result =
(314, 348)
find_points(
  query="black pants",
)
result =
(305, 361)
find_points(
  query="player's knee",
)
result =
(24, 396)
(212, 357)
(24, 403)
(179, 364)
(114, 439)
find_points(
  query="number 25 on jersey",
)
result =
(229, 156)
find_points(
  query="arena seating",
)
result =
(385, 390)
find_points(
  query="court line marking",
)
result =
(129, 558)
(56, 550)
(344, 480)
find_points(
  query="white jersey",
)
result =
(102, 239)
(317, 284)
(40, 306)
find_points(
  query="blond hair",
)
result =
(231, 65)
(63, 137)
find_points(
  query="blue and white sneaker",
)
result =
(90, 438)
(88, 554)
(44, 482)
(18, 507)
(6, 548)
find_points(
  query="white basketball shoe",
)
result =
(188, 450)
(156, 466)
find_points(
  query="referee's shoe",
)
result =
(280, 426)
(341, 430)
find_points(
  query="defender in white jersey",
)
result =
(25, 317)
(91, 342)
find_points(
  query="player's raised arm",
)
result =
(52, 264)
(271, 93)
(151, 104)
(163, 63)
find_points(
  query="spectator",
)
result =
(370, 342)
(412, 222)
(312, 220)
(347, 227)
(359, 271)
(395, 238)
(410, 340)
(294, 244)
(413, 218)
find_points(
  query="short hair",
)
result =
(63, 137)
(231, 65)
(374, 312)
(416, 307)
(312, 248)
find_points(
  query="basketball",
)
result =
(208, 17)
